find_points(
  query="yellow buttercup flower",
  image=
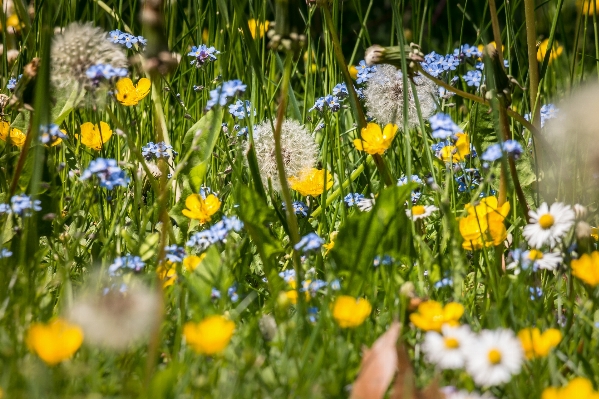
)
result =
(374, 140)
(457, 152)
(586, 268)
(350, 312)
(483, 226)
(201, 209)
(13, 136)
(210, 336)
(54, 342)
(542, 50)
(538, 345)
(128, 94)
(167, 272)
(13, 22)
(353, 72)
(192, 262)
(578, 388)
(311, 182)
(258, 28)
(94, 137)
(588, 7)
(432, 315)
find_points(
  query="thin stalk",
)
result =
(533, 64)
(496, 29)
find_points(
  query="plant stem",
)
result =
(496, 30)
(533, 65)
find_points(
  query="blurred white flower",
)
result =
(446, 350)
(494, 356)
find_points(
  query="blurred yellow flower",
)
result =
(258, 28)
(201, 209)
(586, 268)
(538, 345)
(95, 137)
(210, 336)
(350, 312)
(374, 140)
(192, 262)
(457, 152)
(167, 273)
(432, 315)
(483, 226)
(578, 388)
(15, 136)
(205, 35)
(481, 47)
(595, 233)
(353, 72)
(13, 22)
(542, 50)
(54, 342)
(311, 182)
(128, 94)
(588, 7)
(331, 244)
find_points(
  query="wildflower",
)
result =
(133, 263)
(548, 112)
(127, 39)
(462, 394)
(191, 262)
(51, 134)
(5, 253)
(128, 94)
(353, 71)
(210, 336)
(232, 293)
(548, 224)
(201, 209)
(311, 182)
(156, 151)
(556, 51)
(107, 171)
(22, 205)
(94, 137)
(331, 244)
(299, 208)
(492, 153)
(457, 152)
(494, 356)
(352, 199)
(54, 342)
(167, 273)
(79, 47)
(473, 78)
(374, 140)
(446, 349)
(579, 388)
(443, 126)
(366, 204)
(13, 136)
(421, 211)
(350, 312)
(340, 90)
(257, 28)
(588, 7)
(224, 93)
(467, 51)
(586, 268)
(241, 109)
(386, 260)
(385, 97)
(202, 55)
(483, 226)
(216, 233)
(12, 83)
(103, 72)
(175, 253)
(444, 282)
(404, 180)
(364, 72)
(309, 242)
(538, 345)
(432, 315)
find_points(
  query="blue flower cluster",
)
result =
(5, 253)
(222, 94)
(332, 102)
(159, 150)
(107, 171)
(241, 109)
(12, 83)
(352, 199)
(299, 208)
(97, 73)
(510, 147)
(365, 72)
(468, 180)
(175, 253)
(548, 111)
(309, 242)
(20, 205)
(473, 78)
(118, 37)
(202, 54)
(435, 64)
(127, 262)
(443, 126)
(444, 282)
(467, 50)
(50, 133)
(416, 193)
(385, 260)
(217, 233)
(232, 293)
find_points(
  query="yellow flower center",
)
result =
(451, 343)
(535, 254)
(546, 221)
(494, 356)
(418, 210)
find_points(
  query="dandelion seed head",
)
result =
(299, 150)
(384, 95)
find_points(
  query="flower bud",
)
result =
(580, 211)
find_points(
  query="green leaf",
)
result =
(208, 128)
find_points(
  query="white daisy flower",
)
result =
(548, 224)
(366, 204)
(494, 356)
(446, 350)
(452, 393)
(421, 211)
(523, 260)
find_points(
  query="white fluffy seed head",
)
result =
(78, 47)
(384, 94)
(298, 147)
